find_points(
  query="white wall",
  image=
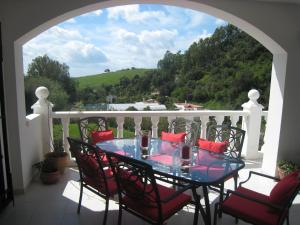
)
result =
(32, 152)
(275, 25)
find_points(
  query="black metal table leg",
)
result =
(207, 205)
(198, 206)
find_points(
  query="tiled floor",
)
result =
(57, 204)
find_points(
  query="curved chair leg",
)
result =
(80, 198)
(106, 210)
(235, 177)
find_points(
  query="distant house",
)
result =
(187, 106)
(138, 105)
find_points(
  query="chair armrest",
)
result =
(175, 194)
(253, 199)
(258, 174)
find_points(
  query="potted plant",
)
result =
(285, 167)
(59, 155)
(49, 171)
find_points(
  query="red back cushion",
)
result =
(218, 147)
(179, 137)
(284, 189)
(88, 165)
(99, 136)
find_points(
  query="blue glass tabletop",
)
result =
(171, 159)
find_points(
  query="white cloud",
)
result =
(132, 13)
(220, 22)
(64, 45)
(129, 37)
(98, 12)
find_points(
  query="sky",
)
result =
(120, 37)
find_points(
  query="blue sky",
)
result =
(121, 37)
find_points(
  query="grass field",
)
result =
(74, 131)
(108, 78)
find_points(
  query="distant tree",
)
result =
(43, 66)
(107, 70)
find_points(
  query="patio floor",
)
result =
(57, 204)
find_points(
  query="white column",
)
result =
(66, 122)
(120, 122)
(44, 108)
(251, 125)
(154, 121)
(137, 124)
(204, 121)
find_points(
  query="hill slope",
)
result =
(110, 78)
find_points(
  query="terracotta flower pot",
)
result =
(62, 163)
(61, 158)
(50, 177)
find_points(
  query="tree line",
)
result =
(216, 72)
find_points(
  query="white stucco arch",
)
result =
(251, 16)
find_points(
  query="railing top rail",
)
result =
(196, 113)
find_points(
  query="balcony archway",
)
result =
(245, 16)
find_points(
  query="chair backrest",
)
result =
(89, 161)
(233, 135)
(192, 129)
(135, 180)
(89, 124)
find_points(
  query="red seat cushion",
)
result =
(97, 182)
(218, 147)
(248, 210)
(99, 136)
(88, 164)
(285, 188)
(168, 209)
(179, 137)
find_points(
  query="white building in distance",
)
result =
(138, 105)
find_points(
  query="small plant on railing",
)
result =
(285, 167)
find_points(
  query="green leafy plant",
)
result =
(286, 166)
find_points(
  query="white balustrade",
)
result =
(251, 115)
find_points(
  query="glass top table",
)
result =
(203, 168)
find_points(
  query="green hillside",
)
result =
(108, 78)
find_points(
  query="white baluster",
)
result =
(154, 121)
(120, 122)
(219, 120)
(234, 120)
(65, 122)
(170, 119)
(204, 121)
(137, 124)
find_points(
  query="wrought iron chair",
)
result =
(192, 129)
(234, 139)
(139, 193)
(93, 176)
(90, 124)
(256, 208)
